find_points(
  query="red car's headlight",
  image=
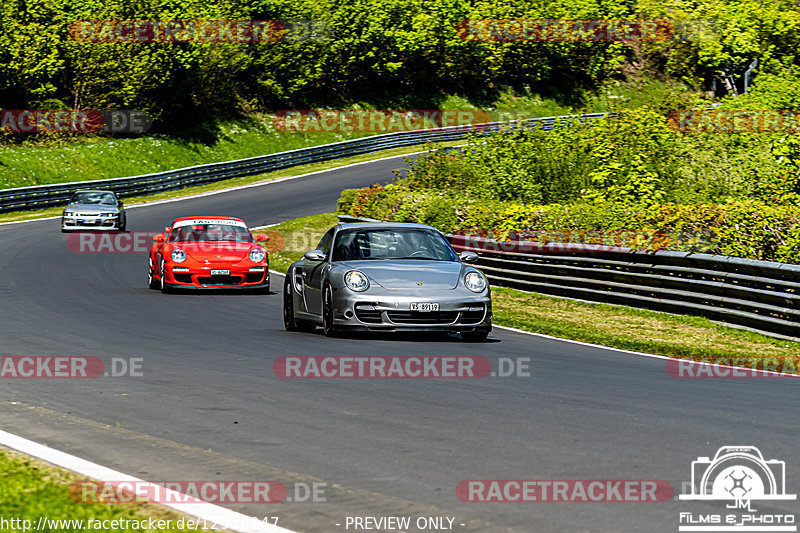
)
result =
(178, 255)
(257, 254)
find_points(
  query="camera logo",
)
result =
(737, 475)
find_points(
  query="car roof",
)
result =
(384, 225)
(207, 216)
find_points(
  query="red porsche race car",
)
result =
(208, 253)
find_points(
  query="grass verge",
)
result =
(98, 157)
(291, 239)
(615, 326)
(30, 489)
(235, 182)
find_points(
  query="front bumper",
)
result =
(185, 287)
(380, 312)
(90, 222)
(201, 278)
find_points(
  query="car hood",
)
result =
(92, 208)
(215, 251)
(410, 273)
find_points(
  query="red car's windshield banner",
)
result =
(198, 221)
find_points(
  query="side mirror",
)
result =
(468, 257)
(166, 230)
(262, 238)
(315, 255)
(159, 238)
(120, 203)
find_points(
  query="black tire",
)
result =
(288, 306)
(476, 335)
(289, 321)
(123, 226)
(327, 312)
(152, 282)
(163, 284)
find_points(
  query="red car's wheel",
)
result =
(163, 284)
(151, 278)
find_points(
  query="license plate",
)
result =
(220, 272)
(425, 307)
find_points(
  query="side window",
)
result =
(325, 243)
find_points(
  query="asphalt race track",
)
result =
(209, 407)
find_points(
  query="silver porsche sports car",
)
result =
(387, 276)
(93, 210)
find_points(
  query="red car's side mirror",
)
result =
(262, 238)
(159, 238)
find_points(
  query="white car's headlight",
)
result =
(69, 214)
(257, 255)
(356, 281)
(178, 255)
(475, 281)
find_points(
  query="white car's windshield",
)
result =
(404, 243)
(98, 198)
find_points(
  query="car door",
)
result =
(158, 249)
(313, 274)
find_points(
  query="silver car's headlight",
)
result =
(257, 255)
(69, 214)
(356, 281)
(178, 255)
(475, 281)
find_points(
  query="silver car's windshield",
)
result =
(98, 198)
(402, 243)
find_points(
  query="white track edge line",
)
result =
(211, 513)
(620, 350)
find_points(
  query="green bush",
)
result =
(387, 52)
(634, 158)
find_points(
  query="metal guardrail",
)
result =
(760, 295)
(37, 197)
